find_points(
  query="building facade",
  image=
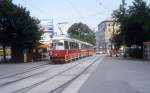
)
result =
(47, 26)
(106, 29)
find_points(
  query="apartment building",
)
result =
(106, 29)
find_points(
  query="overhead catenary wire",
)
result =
(72, 5)
(80, 15)
(38, 9)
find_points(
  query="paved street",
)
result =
(117, 75)
(107, 75)
(43, 79)
(13, 68)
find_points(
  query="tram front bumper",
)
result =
(57, 59)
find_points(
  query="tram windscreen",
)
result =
(57, 45)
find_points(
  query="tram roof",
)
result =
(60, 38)
(69, 39)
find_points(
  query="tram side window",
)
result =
(66, 45)
(77, 45)
(83, 46)
(74, 45)
(71, 45)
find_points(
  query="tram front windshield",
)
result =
(57, 45)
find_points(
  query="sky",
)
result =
(90, 12)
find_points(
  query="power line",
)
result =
(35, 7)
(75, 9)
(38, 9)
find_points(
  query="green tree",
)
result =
(25, 29)
(82, 32)
(6, 10)
(134, 24)
(20, 30)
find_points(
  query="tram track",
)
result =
(27, 89)
(63, 86)
(9, 79)
(25, 71)
(42, 81)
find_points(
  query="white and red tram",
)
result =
(64, 49)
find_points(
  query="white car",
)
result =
(99, 52)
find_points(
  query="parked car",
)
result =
(99, 52)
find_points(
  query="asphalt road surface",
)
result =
(44, 78)
(117, 75)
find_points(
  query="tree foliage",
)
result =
(134, 24)
(17, 28)
(82, 32)
(6, 8)
(25, 29)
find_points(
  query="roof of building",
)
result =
(41, 46)
(109, 19)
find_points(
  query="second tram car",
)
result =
(64, 49)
